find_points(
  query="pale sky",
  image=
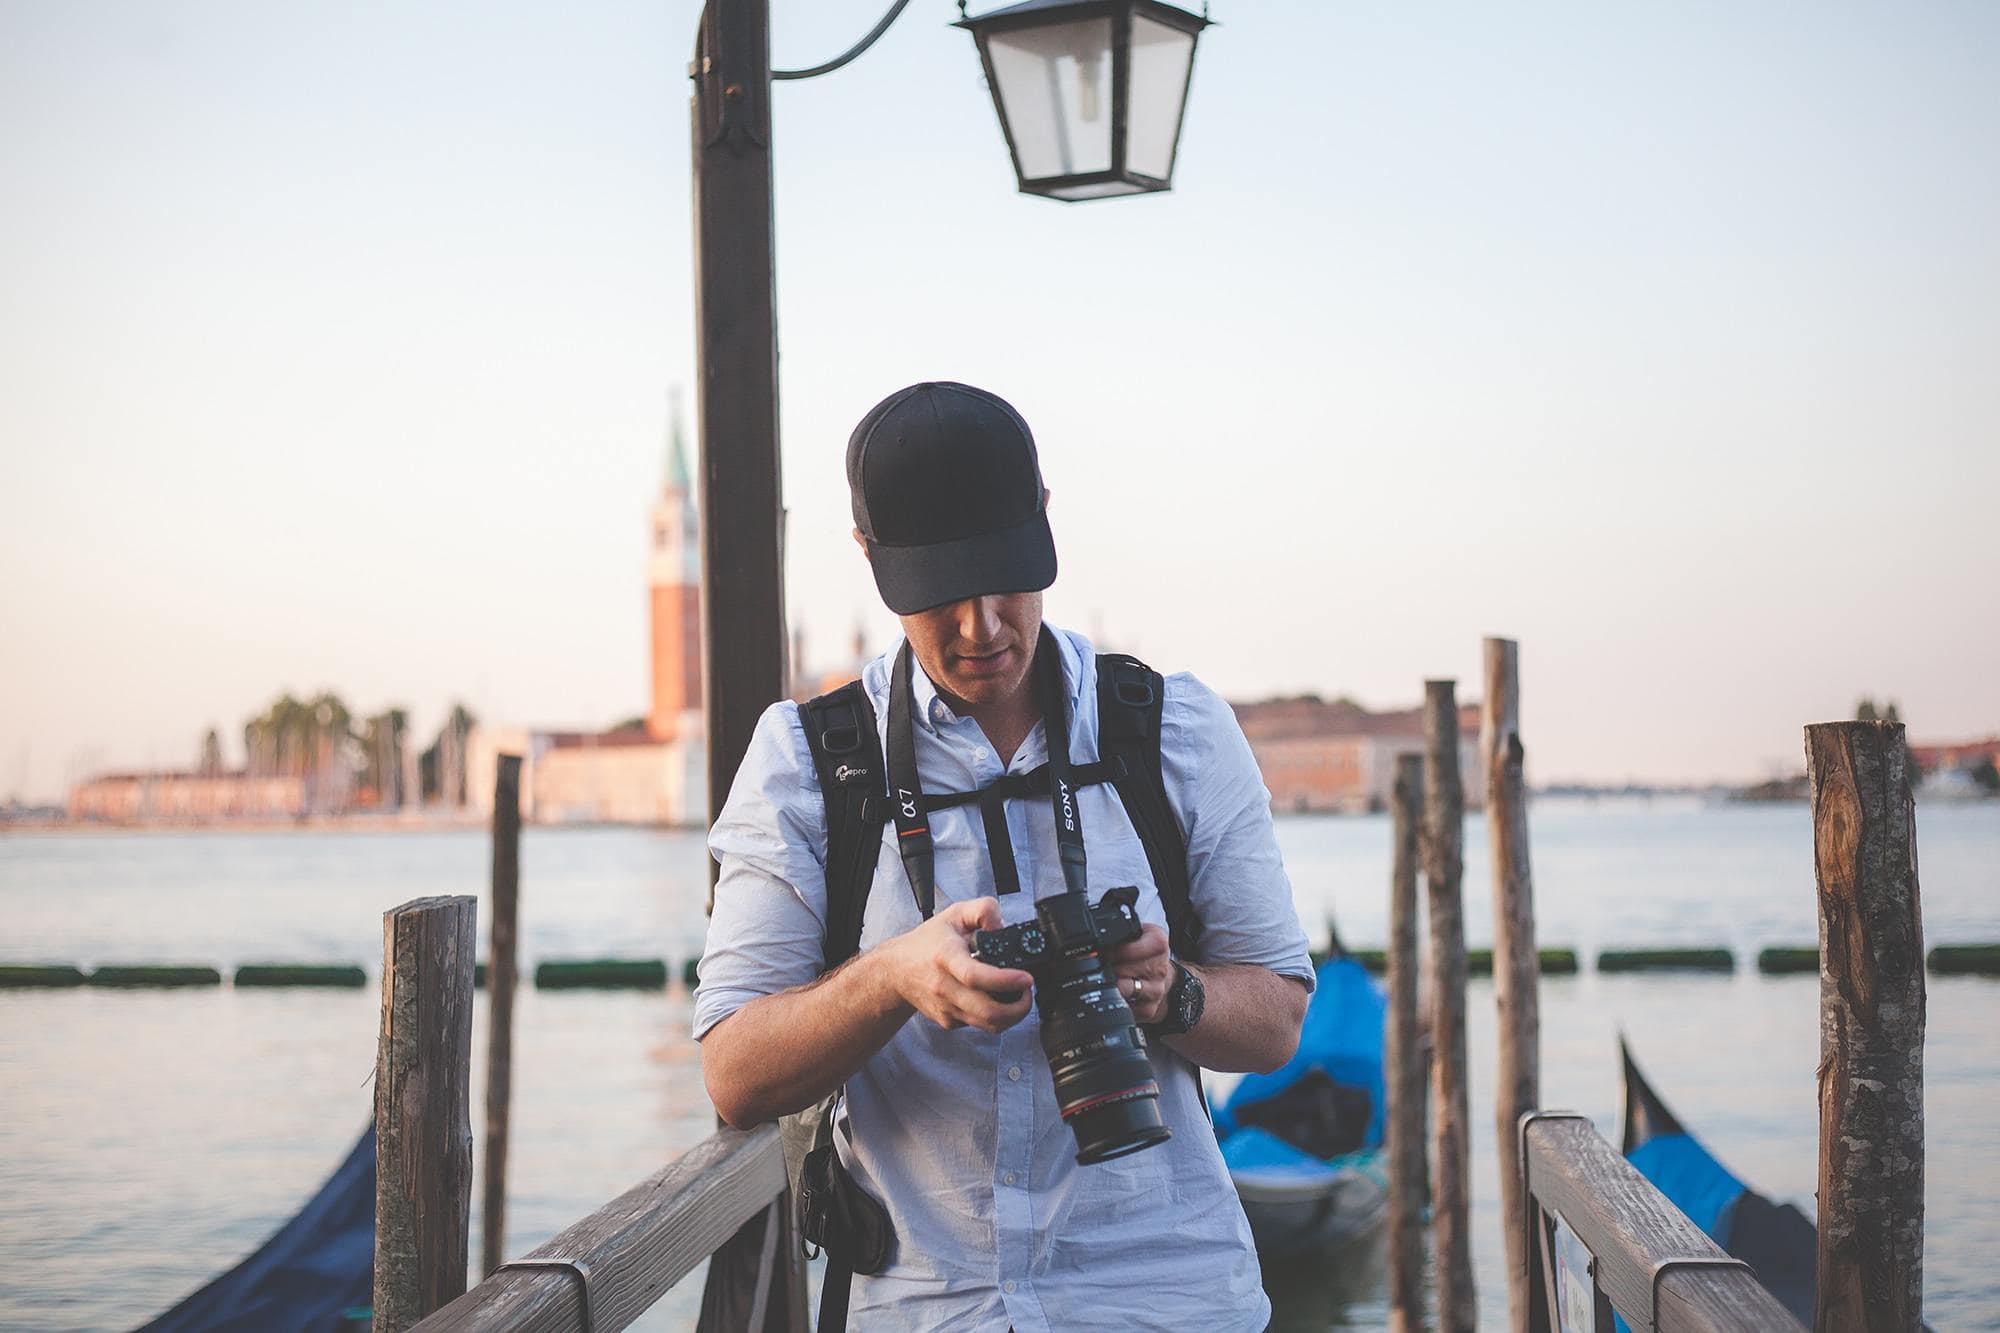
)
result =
(336, 342)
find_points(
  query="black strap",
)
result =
(847, 758)
(1131, 698)
(906, 790)
(833, 1290)
(1062, 791)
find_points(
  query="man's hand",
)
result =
(933, 970)
(1145, 973)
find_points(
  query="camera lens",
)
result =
(1104, 1081)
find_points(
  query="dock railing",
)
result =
(603, 1272)
(1602, 1238)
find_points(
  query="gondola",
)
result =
(1303, 1143)
(1775, 1239)
(315, 1274)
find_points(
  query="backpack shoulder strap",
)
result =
(1130, 699)
(847, 758)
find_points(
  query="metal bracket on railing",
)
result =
(1521, 1136)
(576, 1267)
(1663, 1266)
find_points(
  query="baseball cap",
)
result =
(947, 492)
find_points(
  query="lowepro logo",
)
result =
(1068, 807)
(908, 801)
(847, 772)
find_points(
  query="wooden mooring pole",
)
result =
(1405, 1056)
(1517, 973)
(1444, 866)
(423, 1132)
(501, 976)
(1869, 1270)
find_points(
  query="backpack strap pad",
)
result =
(1131, 697)
(847, 759)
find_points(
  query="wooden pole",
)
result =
(501, 975)
(736, 356)
(423, 1132)
(742, 530)
(1517, 972)
(1405, 1056)
(1444, 865)
(1870, 1260)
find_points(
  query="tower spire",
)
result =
(677, 468)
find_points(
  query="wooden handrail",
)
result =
(624, 1256)
(1658, 1269)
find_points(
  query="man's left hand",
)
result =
(1145, 973)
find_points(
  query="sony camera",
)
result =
(1096, 1052)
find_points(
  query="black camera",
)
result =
(1104, 1080)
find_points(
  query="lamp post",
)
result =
(1107, 122)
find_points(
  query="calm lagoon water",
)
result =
(150, 1139)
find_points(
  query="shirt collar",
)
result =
(933, 711)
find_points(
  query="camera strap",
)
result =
(911, 809)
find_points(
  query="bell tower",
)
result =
(674, 576)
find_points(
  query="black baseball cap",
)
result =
(947, 492)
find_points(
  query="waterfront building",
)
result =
(1338, 757)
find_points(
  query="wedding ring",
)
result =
(1138, 987)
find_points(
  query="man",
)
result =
(949, 1115)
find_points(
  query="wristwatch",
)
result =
(1185, 1000)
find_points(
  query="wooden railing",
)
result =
(1602, 1238)
(605, 1271)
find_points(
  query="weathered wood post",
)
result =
(1517, 972)
(1870, 1262)
(501, 975)
(423, 1131)
(1444, 866)
(1405, 1056)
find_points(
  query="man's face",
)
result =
(978, 651)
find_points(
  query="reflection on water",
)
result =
(150, 1139)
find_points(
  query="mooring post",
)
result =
(501, 975)
(1517, 973)
(1404, 1052)
(423, 1130)
(1869, 1270)
(1444, 866)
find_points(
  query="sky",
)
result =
(337, 343)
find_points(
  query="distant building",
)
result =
(170, 797)
(1320, 756)
(1949, 756)
(651, 771)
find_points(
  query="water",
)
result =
(148, 1140)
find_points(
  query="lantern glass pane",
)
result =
(1160, 60)
(1055, 83)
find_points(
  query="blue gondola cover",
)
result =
(316, 1274)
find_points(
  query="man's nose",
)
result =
(979, 619)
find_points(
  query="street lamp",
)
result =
(1090, 92)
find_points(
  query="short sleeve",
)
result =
(1238, 885)
(766, 933)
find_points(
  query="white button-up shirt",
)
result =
(957, 1132)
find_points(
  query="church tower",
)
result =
(674, 573)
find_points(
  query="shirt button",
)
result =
(1014, 1074)
(1007, 1179)
(1008, 1286)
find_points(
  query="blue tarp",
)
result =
(316, 1274)
(1692, 1180)
(1342, 1035)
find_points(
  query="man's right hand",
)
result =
(935, 973)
